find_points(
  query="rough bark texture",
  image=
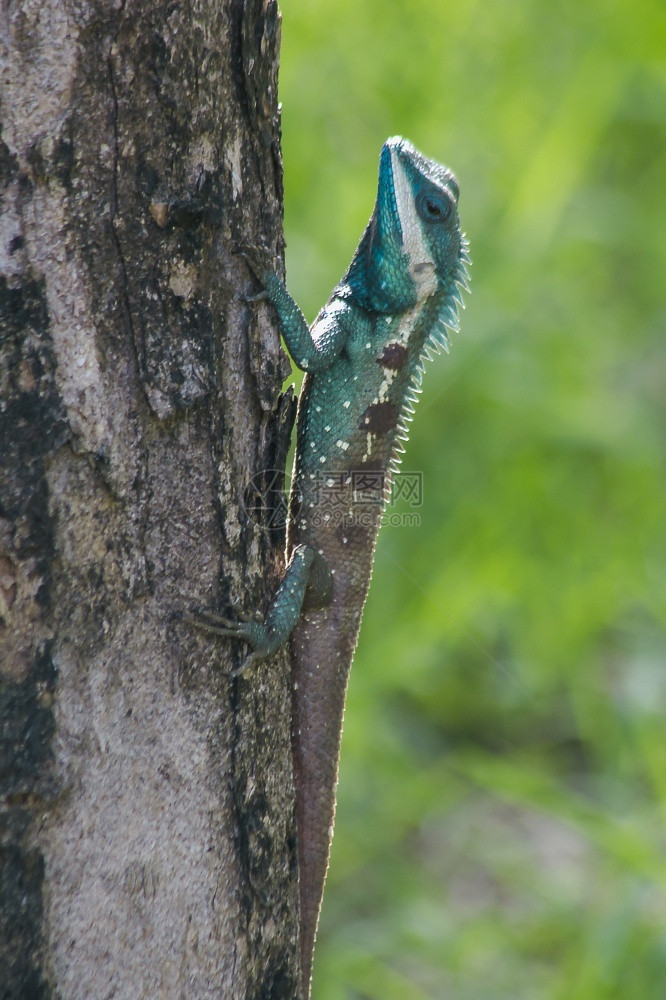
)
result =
(147, 842)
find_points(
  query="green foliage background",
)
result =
(501, 813)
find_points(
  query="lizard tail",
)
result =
(319, 701)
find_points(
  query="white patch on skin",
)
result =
(421, 264)
(399, 335)
(405, 325)
(382, 393)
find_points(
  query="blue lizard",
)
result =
(364, 358)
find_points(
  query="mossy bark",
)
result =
(147, 837)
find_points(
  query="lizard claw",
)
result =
(212, 622)
(254, 657)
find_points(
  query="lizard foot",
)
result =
(249, 628)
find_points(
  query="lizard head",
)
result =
(413, 245)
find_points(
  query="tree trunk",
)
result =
(147, 825)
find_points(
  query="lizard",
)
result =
(363, 360)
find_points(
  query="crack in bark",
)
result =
(140, 361)
(135, 352)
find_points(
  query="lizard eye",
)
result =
(433, 207)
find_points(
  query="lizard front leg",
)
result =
(312, 349)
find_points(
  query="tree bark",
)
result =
(147, 834)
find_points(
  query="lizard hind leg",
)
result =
(307, 579)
